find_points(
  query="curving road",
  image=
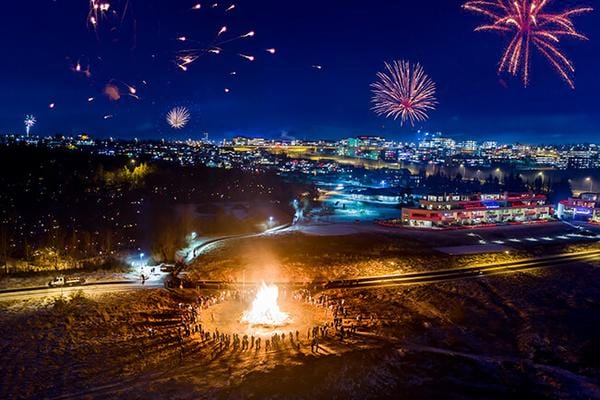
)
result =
(115, 286)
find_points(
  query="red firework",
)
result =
(531, 25)
(404, 91)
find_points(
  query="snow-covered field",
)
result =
(527, 334)
(524, 335)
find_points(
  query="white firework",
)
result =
(29, 123)
(178, 117)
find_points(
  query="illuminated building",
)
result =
(585, 207)
(464, 210)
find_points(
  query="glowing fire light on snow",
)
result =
(265, 310)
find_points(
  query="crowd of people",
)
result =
(338, 326)
(341, 325)
(235, 342)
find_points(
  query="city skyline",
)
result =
(313, 86)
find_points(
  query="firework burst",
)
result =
(178, 117)
(530, 26)
(404, 91)
(29, 122)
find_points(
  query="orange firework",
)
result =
(531, 25)
(404, 91)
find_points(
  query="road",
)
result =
(196, 250)
(92, 288)
(414, 278)
(114, 286)
(465, 272)
(444, 275)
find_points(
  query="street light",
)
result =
(591, 181)
(270, 222)
(142, 267)
(499, 172)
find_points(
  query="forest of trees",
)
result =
(77, 206)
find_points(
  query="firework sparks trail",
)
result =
(113, 91)
(247, 57)
(404, 91)
(98, 11)
(29, 122)
(530, 25)
(178, 117)
(132, 90)
(79, 69)
(184, 58)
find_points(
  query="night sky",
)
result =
(282, 95)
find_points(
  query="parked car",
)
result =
(66, 281)
(167, 267)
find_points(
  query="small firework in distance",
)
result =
(404, 91)
(178, 117)
(530, 25)
(29, 122)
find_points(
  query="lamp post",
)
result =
(142, 265)
(591, 181)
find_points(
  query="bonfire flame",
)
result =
(265, 310)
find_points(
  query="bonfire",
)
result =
(265, 310)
